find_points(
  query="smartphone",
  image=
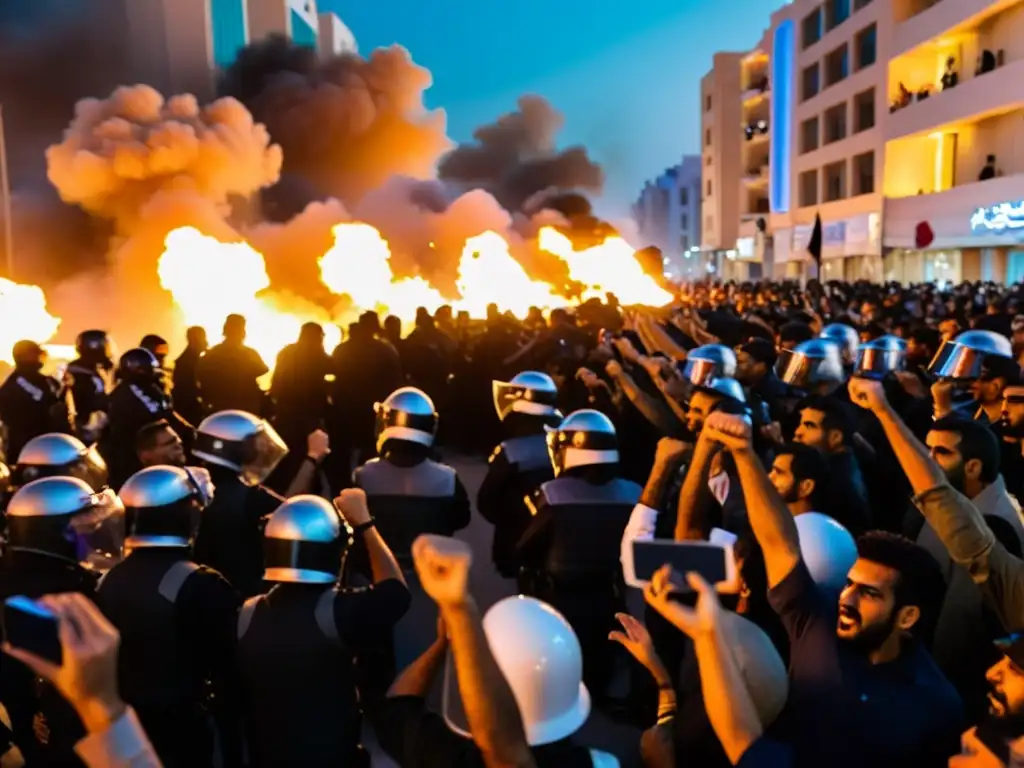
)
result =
(33, 628)
(714, 562)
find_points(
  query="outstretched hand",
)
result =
(733, 431)
(700, 621)
(442, 564)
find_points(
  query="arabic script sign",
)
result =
(1004, 217)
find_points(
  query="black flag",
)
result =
(814, 244)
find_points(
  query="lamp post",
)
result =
(5, 191)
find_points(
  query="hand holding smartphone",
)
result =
(32, 627)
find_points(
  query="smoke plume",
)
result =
(515, 157)
(347, 123)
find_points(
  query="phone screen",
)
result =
(33, 628)
(709, 560)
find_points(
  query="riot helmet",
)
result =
(540, 656)
(241, 442)
(93, 346)
(406, 414)
(64, 518)
(529, 392)
(846, 337)
(827, 548)
(162, 505)
(59, 455)
(584, 438)
(879, 357)
(28, 356)
(139, 366)
(727, 388)
(813, 362)
(962, 358)
(712, 361)
(303, 542)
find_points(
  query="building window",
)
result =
(809, 187)
(835, 123)
(227, 19)
(709, 188)
(809, 135)
(302, 33)
(835, 181)
(707, 159)
(864, 174)
(836, 12)
(684, 242)
(864, 110)
(811, 81)
(837, 65)
(684, 222)
(811, 28)
(707, 103)
(709, 223)
(707, 137)
(684, 198)
(867, 44)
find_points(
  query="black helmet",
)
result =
(94, 346)
(138, 365)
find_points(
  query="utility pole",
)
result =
(5, 190)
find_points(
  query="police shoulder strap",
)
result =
(325, 615)
(245, 615)
(175, 578)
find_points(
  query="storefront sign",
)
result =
(1004, 217)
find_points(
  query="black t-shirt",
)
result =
(415, 737)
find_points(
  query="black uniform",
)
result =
(572, 551)
(46, 727)
(177, 624)
(133, 405)
(517, 468)
(406, 500)
(32, 404)
(88, 391)
(230, 537)
(295, 649)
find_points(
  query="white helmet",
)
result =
(540, 657)
(406, 414)
(584, 438)
(828, 549)
(58, 455)
(529, 392)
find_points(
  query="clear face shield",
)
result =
(91, 468)
(98, 531)
(957, 362)
(263, 451)
(505, 397)
(700, 372)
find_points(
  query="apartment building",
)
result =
(722, 137)
(828, 98)
(334, 36)
(668, 215)
(295, 18)
(954, 139)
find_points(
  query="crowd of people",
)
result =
(768, 525)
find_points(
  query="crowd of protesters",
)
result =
(768, 525)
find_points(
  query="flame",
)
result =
(488, 274)
(604, 268)
(358, 265)
(210, 280)
(23, 316)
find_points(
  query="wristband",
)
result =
(364, 527)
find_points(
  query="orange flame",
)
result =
(23, 315)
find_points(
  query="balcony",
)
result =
(757, 90)
(756, 178)
(942, 18)
(954, 215)
(979, 97)
(756, 132)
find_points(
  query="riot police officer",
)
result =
(59, 533)
(571, 548)
(176, 619)
(90, 384)
(240, 451)
(409, 494)
(31, 403)
(296, 643)
(846, 337)
(520, 463)
(58, 455)
(137, 400)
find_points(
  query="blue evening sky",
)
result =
(625, 74)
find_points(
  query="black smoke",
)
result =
(515, 158)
